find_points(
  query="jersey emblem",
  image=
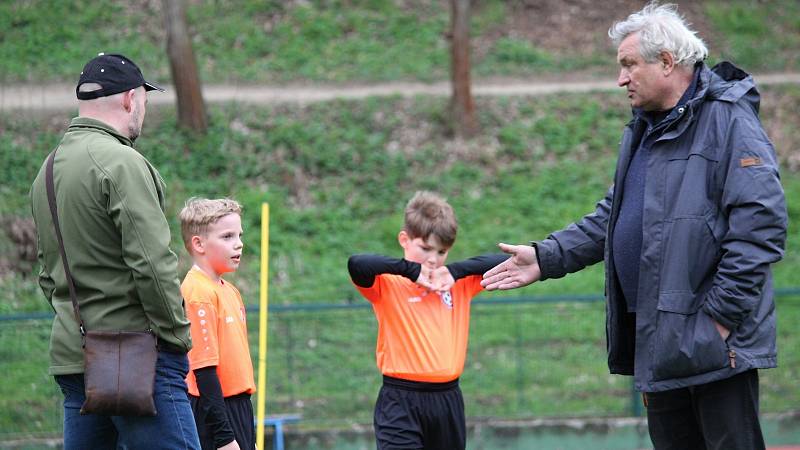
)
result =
(447, 299)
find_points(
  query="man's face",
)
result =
(428, 252)
(645, 82)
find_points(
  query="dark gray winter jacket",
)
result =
(714, 220)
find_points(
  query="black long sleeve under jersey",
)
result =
(365, 267)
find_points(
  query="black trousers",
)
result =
(240, 416)
(719, 415)
(416, 415)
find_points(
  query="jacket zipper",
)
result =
(732, 358)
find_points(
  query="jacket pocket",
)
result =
(690, 256)
(686, 342)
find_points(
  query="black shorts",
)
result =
(417, 415)
(240, 416)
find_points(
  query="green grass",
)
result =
(333, 170)
(524, 360)
(249, 41)
(337, 175)
(762, 38)
(29, 397)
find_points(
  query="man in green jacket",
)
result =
(110, 202)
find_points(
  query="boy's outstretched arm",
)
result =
(520, 270)
(445, 277)
(364, 268)
(475, 266)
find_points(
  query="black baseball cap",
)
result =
(115, 73)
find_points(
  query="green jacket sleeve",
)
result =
(135, 194)
(46, 283)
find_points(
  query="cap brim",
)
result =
(152, 87)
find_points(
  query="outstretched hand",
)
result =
(520, 270)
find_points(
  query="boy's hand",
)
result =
(425, 278)
(520, 270)
(233, 445)
(442, 279)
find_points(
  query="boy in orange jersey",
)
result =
(221, 377)
(422, 307)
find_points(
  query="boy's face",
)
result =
(221, 246)
(428, 252)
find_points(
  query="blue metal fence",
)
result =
(528, 357)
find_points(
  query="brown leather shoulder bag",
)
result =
(119, 366)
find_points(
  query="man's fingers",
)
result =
(494, 276)
(487, 285)
(507, 248)
(500, 285)
(509, 285)
(500, 268)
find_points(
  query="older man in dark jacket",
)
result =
(688, 231)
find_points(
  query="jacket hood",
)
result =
(728, 83)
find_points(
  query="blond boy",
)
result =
(221, 377)
(422, 308)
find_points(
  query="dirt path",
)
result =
(61, 96)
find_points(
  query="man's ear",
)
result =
(197, 244)
(128, 100)
(403, 238)
(667, 62)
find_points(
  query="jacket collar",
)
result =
(689, 95)
(89, 123)
(681, 114)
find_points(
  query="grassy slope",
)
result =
(337, 175)
(359, 40)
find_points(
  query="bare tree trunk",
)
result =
(462, 106)
(191, 110)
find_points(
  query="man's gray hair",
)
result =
(661, 28)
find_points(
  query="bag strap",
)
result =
(51, 200)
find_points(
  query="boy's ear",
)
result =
(197, 244)
(403, 239)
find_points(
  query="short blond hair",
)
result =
(429, 214)
(199, 213)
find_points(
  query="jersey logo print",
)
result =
(447, 299)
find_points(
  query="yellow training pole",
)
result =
(262, 327)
